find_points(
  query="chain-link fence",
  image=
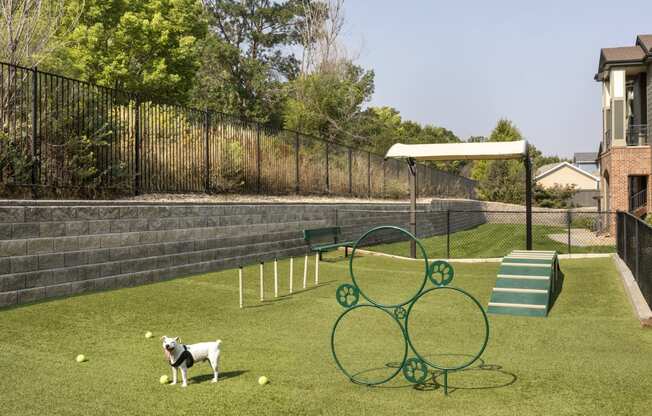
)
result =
(634, 239)
(485, 234)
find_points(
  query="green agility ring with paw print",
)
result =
(417, 368)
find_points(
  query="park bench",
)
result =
(322, 240)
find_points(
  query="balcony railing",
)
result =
(638, 200)
(638, 135)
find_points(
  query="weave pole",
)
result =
(275, 278)
(317, 268)
(241, 287)
(305, 271)
(291, 273)
(262, 283)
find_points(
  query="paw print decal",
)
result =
(347, 295)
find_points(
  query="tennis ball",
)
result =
(164, 380)
(81, 358)
(262, 380)
(148, 334)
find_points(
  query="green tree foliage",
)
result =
(147, 46)
(247, 57)
(555, 197)
(329, 104)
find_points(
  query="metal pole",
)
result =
(34, 142)
(448, 233)
(328, 187)
(350, 172)
(412, 168)
(296, 163)
(207, 158)
(625, 219)
(568, 221)
(137, 146)
(369, 174)
(528, 201)
(637, 249)
(258, 158)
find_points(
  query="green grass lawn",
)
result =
(491, 240)
(588, 357)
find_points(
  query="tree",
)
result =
(248, 56)
(554, 197)
(147, 46)
(29, 28)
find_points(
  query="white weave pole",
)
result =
(275, 278)
(262, 283)
(317, 268)
(305, 271)
(291, 273)
(241, 287)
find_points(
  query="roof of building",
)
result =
(645, 41)
(546, 168)
(626, 54)
(585, 157)
(561, 165)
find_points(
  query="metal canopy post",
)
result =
(412, 168)
(528, 201)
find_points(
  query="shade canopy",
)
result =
(459, 151)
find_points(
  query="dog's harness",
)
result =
(185, 356)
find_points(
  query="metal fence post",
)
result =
(137, 145)
(207, 158)
(369, 174)
(448, 233)
(568, 221)
(350, 172)
(637, 250)
(328, 186)
(257, 158)
(625, 218)
(34, 139)
(296, 163)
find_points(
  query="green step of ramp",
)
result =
(526, 285)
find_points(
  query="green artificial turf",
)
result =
(491, 240)
(588, 357)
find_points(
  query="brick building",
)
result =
(625, 154)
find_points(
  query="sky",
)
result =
(463, 65)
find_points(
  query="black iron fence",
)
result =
(486, 234)
(634, 239)
(59, 135)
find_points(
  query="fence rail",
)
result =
(61, 134)
(634, 245)
(486, 234)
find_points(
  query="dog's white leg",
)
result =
(184, 376)
(174, 375)
(215, 370)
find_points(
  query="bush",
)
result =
(555, 197)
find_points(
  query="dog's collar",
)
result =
(185, 356)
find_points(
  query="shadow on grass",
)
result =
(202, 378)
(288, 296)
(479, 376)
(557, 291)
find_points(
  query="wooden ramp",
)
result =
(528, 282)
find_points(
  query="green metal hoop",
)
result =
(352, 377)
(423, 253)
(486, 327)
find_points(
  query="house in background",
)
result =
(587, 161)
(625, 155)
(566, 174)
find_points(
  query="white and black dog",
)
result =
(182, 356)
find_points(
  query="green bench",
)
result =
(322, 240)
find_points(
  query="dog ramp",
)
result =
(527, 283)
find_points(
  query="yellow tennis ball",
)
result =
(262, 380)
(148, 334)
(81, 358)
(164, 380)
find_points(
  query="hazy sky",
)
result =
(464, 64)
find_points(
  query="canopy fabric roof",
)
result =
(459, 151)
